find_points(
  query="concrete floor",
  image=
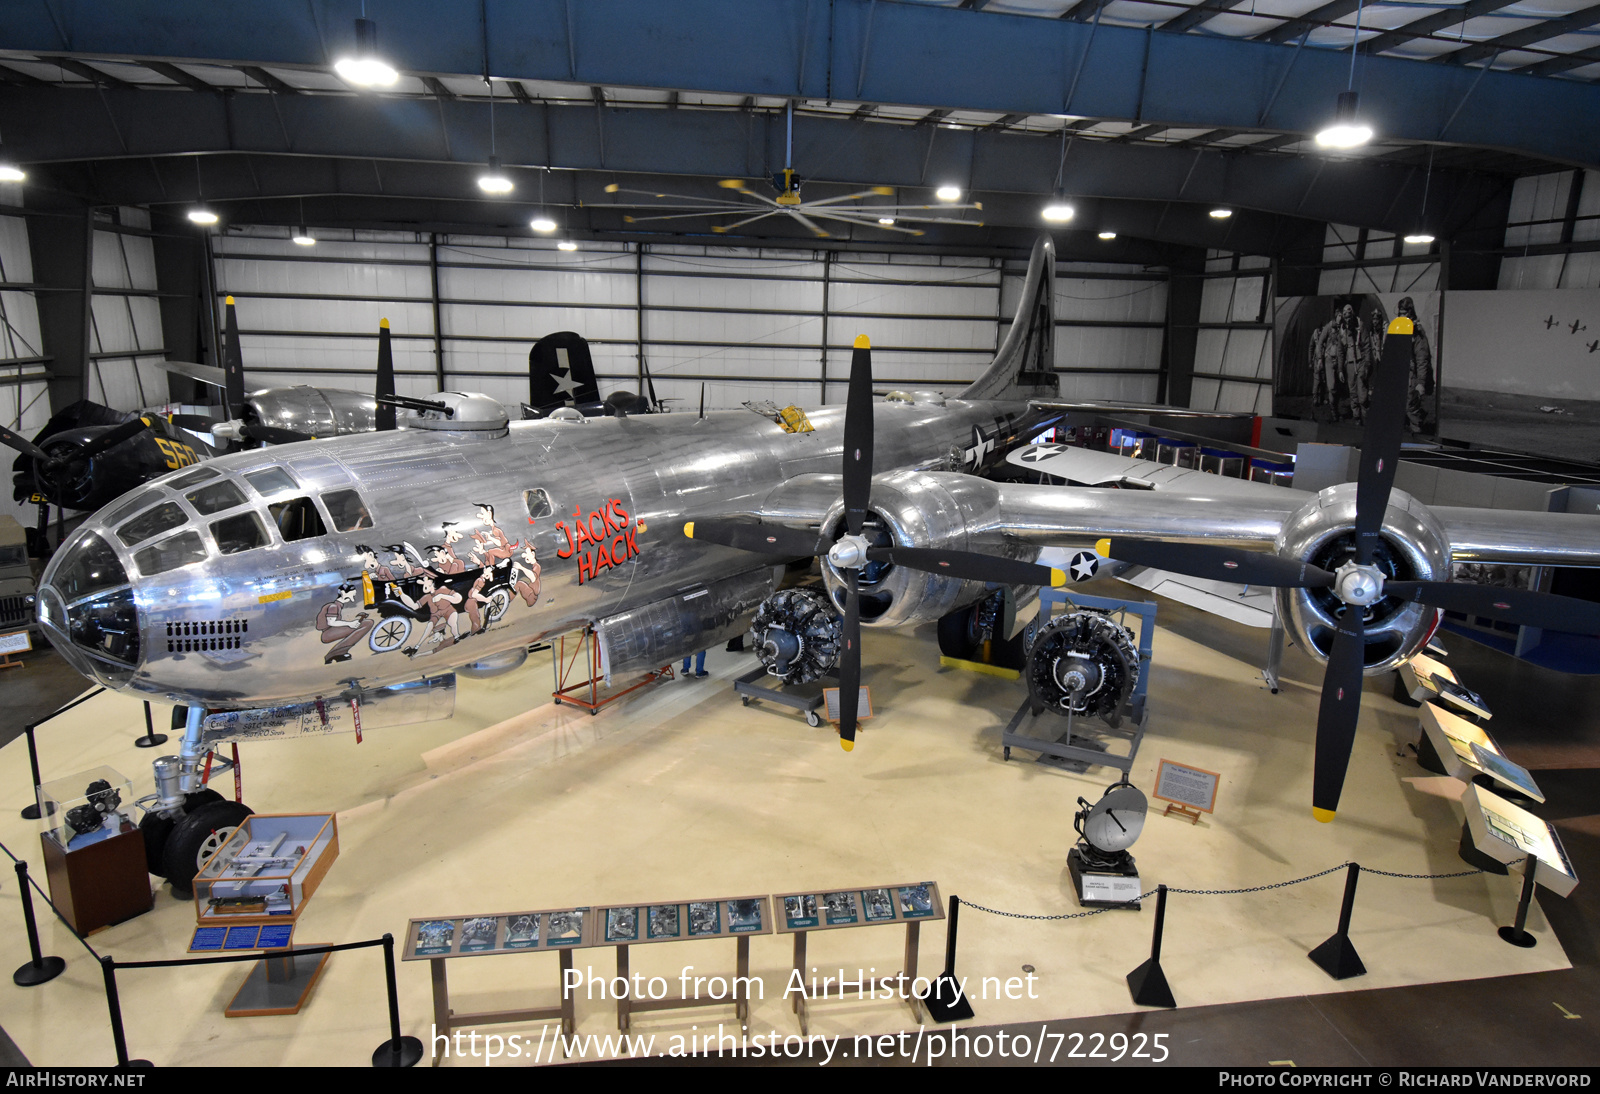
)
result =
(680, 792)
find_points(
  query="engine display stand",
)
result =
(799, 697)
(1086, 742)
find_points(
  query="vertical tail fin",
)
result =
(561, 372)
(1024, 366)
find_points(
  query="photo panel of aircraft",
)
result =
(323, 585)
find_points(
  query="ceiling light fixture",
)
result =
(1058, 212)
(542, 224)
(303, 237)
(887, 222)
(365, 68)
(1347, 130)
(494, 180)
(1108, 235)
(202, 215)
(948, 192)
(1422, 237)
(1221, 213)
(1417, 238)
(566, 245)
(11, 173)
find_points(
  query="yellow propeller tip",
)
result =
(1323, 815)
(688, 529)
(848, 746)
(918, 232)
(612, 187)
(228, 301)
(1102, 547)
(732, 184)
(1402, 325)
(717, 228)
(384, 323)
(1058, 578)
(977, 205)
(883, 191)
(627, 220)
(862, 342)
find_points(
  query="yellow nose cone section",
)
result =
(848, 746)
(1323, 815)
(1402, 325)
(862, 342)
(688, 529)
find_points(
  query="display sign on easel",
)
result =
(12, 644)
(1188, 791)
(863, 703)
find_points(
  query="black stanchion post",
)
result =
(946, 1002)
(1148, 983)
(108, 966)
(40, 970)
(397, 1051)
(1516, 935)
(151, 738)
(36, 810)
(1337, 957)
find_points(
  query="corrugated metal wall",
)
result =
(1233, 348)
(1555, 209)
(125, 318)
(24, 394)
(748, 324)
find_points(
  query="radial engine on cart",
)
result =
(797, 635)
(1083, 663)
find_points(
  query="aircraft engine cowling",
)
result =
(912, 510)
(1413, 547)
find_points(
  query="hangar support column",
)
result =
(62, 246)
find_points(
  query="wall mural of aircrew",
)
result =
(1328, 349)
(423, 602)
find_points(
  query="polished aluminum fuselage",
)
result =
(632, 482)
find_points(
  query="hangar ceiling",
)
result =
(1144, 114)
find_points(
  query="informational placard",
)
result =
(1192, 787)
(15, 642)
(826, 909)
(1110, 889)
(207, 939)
(727, 917)
(1506, 833)
(245, 937)
(504, 932)
(863, 703)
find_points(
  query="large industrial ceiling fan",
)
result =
(752, 206)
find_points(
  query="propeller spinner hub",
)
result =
(1358, 585)
(850, 553)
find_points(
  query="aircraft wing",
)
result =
(1087, 467)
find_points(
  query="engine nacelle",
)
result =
(912, 510)
(1413, 547)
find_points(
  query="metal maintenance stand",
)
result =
(1074, 749)
(802, 700)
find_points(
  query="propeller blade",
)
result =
(1520, 606)
(763, 539)
(850, 662)
(385, 384)
(233, 366)
(1336, 719)
(858, 437)
(271, 434)
(1217, 563)
(1380, 442)
(109, 439)
(205, 374)
(21, 444)
(970, 565)
(192, 422)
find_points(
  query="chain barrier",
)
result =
(1227, 892)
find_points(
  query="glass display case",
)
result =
(81, 810)
(267, 869)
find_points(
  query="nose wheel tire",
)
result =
(197, 837)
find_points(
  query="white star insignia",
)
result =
(565, 384)
(1042, 452)
(1083, 565)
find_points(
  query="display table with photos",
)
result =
(910, 905)
(438, 939)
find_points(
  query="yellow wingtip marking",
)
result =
(862, 342)
(1323, 815)
(688, 529)
(1102, 547)
(1058, 578)
(1402, 325)
(848, 746)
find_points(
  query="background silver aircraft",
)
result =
(325, 584)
